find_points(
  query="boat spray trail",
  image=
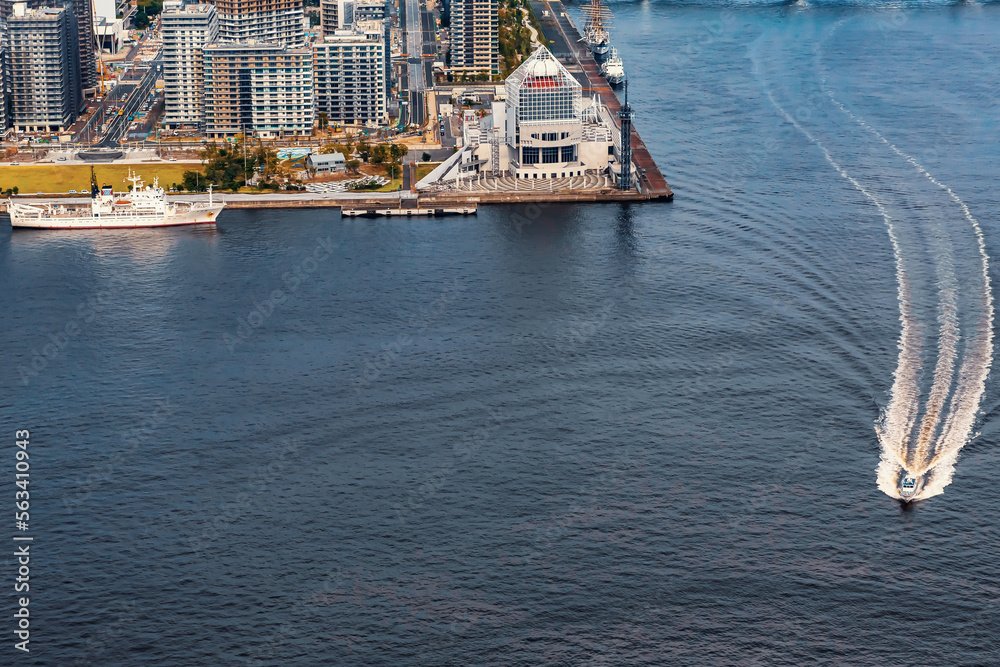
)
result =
(947, 424)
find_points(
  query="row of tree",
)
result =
(232, 166)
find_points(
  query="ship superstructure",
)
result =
(612, 68)
(143, 206)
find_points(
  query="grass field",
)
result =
(391, 186)
(424, 169)
(56, 178)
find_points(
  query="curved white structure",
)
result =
(142, 207)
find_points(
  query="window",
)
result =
(567, 154)
(529, 155)
(550, 155)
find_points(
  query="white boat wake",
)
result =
(923, 428)
(920, 453)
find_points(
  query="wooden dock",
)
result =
(568, 47)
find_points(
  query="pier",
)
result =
(567, 46)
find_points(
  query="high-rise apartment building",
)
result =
(370, 10)
(45, 91)
(186, 31)
(335, 15)
(82, 20)
(3, 86)
(273, 21)
(474, 36)
(349, 75)
(265, 88)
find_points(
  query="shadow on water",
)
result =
(625, 229)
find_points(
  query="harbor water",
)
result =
(552, 434)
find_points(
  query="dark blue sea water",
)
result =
(563, 435)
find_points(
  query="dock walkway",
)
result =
(567, 45)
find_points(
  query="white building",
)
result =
(327, 162)
(3, 89)
(109, 29)
(186, 31)
(349, 75)
(544, 131)
(548, 132)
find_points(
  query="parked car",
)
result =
(72, 192)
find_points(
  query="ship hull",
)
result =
(200, 216)
(600, 48)
(614, 80)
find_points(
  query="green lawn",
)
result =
(391, 186)
(56, 178)
(424, 169)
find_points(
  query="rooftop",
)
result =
(323, 158)
(21, 12)
(181, 8)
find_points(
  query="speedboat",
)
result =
(909, 487)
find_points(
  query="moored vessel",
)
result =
(613, 69)
(141, 207)
(595, 31)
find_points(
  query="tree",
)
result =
(140, 20)
(364, 150)
(397, 151)
(426, 157)
(324, 120)
(378, 154)
(193, 181)
(352, 166)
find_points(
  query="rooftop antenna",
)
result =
(625, 115)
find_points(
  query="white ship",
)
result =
(613, 69)
(595, 33)
(142, 207)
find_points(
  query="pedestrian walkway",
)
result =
(511, 184)
(344, 186)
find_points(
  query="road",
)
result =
(132, 84)
(418, 79)
(138, 94)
